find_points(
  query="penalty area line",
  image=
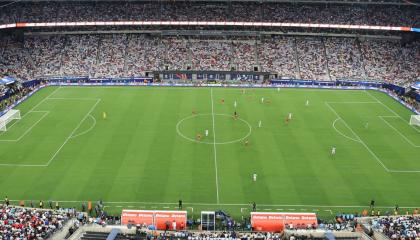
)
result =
(27, 130)
(389, 109)
(358, 138)
(367, 147)
(342, 134)
(400, 133)
(72, 133)
(88, 130)
(32, 109)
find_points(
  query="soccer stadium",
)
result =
(209, 119)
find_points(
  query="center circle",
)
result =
(226, 130)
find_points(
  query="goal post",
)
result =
(415, 120)
(8, 117)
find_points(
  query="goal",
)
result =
(415, 120)
(8, 117)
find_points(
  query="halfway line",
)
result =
(214, 146)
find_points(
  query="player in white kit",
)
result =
(333, 151)
(254, 177)
(259, 124)
(207, 133)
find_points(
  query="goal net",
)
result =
(8, 117)
(415, 120)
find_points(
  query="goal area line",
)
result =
(358, 138)
(45, 113)
(88, 114)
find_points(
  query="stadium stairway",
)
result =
(296, 56)
(99, 232)
(94, 236)
(104, 236)
(324, 50)
(362, 59)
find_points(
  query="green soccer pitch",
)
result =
(137, 148)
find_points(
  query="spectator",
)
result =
(23, 223)
(370, 14)
(402, 227)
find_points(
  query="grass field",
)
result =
(144, 154)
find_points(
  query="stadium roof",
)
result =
(381, 2)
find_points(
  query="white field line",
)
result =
(67, 139)
(211, 142)
(18, 120)
(77, 99)
(396, 114)
(415, 128)
(32, 109)
(358, 138)
(214, 146)
(29, 129)
(74, 130)
(405, 171)
(402, 135)
(88, 130)
(329, 210)
(21, 165)
(342, 134)
(364, 144)
(143, 204)
(43, 100)
(353, 102)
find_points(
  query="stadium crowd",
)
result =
(387, 15)
(125, 55)
(398, 227)
(12, 93)
(30, 223)
(18, 222)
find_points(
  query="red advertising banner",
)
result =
(137, 217)
(163, 220)
(171, 219)
(267, 222)
(302, 219)
(275, 222)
